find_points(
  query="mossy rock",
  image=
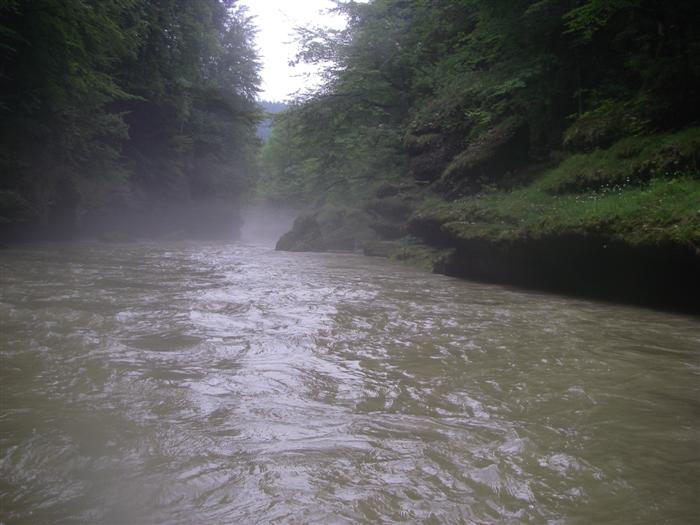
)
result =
(427, 225)
(389, 230)
(390, 214)
(330, 228)
(394, 188)
(422, 256)
(428, 166)
(670, 161)
(411, 253)
(416, 144)
(379, 248)
(305, 236)
(629, 162)
(344, 228)
(487, 159)
(395, 207)
(387, 189)
(606, 124)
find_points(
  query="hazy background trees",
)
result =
(114, 106)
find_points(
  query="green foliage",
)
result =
(630, 161)
(605, 124)
(57, 62)
(126, 97)
(661, 211)
(285, 167)
(419, 255)
(594, 15)
(196, 76)
(664, 207)
(341, 141)
(425, 84)
(307, 157)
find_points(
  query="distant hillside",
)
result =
(270, 108)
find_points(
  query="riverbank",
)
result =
(620, 223)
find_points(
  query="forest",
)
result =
(549, 142)
(125, 117)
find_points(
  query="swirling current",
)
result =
(229, 383)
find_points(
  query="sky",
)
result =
(276, 20)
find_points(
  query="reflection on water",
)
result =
(184, 383)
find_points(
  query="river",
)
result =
(229, 383)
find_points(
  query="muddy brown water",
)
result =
(228, 383)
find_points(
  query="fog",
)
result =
(205, 219)
(264, 225)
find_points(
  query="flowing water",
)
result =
(212, 383)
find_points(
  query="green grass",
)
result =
(633, 160)
(663, 207)
(418, 255)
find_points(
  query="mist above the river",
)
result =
(265, 224)
(202, 219)
(260, 225)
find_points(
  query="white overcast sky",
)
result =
(276, 20)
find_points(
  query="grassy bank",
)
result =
(641, 190)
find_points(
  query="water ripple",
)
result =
(180, 383)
